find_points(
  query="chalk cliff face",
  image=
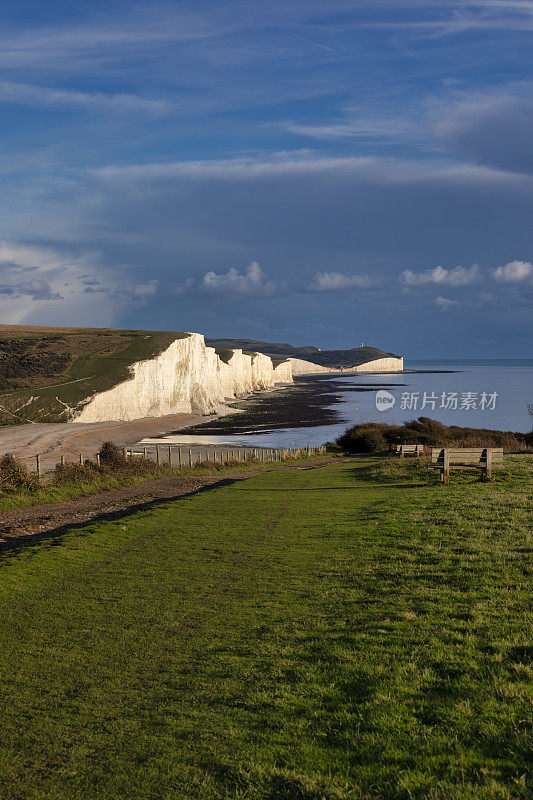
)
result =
(187, 377)
(300, 367)
(391, 364)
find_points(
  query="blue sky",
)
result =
(314, 172)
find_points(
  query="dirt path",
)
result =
(35, 521)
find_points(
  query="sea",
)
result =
(490, 394)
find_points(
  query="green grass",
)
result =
(329, 633)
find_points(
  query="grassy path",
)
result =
(301, 635)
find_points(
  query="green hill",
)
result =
(63, 366)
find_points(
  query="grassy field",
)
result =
(355, 631)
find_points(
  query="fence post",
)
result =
(38, 463)
(62, 460)
(446, 466)
(170, 455)
(190, 457)
(81, 459)
(157, 456)
(144, 453)
(488, 468)
(98, 459)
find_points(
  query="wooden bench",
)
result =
(484, 458)
(409, 449)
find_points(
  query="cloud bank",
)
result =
(440, 276)
(514, 272)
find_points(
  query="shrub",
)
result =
(373, 436)
(15, 475)
(112, 456)
(363, 439)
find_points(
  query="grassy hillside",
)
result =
(347, 633)
(61, 367)
(326, 358)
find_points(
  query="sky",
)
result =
(324, 173)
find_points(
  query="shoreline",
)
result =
(309, 402)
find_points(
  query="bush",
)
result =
(14, 475)
(112, 456)
(373, 436)
(363, 439)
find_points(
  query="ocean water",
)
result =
(478, 394)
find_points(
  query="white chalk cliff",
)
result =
(189, 377)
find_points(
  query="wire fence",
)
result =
(187, 457)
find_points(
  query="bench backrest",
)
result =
(467, 455)
(409, 448)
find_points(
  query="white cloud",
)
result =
(251, 283)
(445, 303)
(458, 276)
(338, 282)
(31, 95)
(514, 272)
